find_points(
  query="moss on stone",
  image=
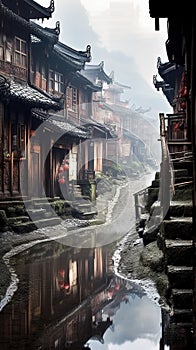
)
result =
(3, 218)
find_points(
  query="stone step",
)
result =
(18, 219)
(181, 208)
(179, 252)
(10, 203)
(183, 192)
(184, 164)
(181, 335)
(84, 207)
(36, 213)
(180, 276)
(177, 208)
(182, 298)
(182, 315)
(84, 215)
(178, 173)
(177, 227)
(182, 179)
(33, 225)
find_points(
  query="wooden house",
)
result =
(99, 130)
(56, 69)
(131, 143)
(36, 71)
(174, 88)
(17, 95)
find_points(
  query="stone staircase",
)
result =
(81, 206)
(29, 214)
(174, 236)
(175, 239)
(25, 216)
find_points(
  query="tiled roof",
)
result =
(31, 8)
(27, 94)
(44, 33)
(31, 27)
(60, 125)
(169, 71)
(94, 72)
(38, 11)
(79, 78)
(72, 56)
(103, 128)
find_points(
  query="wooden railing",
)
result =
(166, 173)
(140, 199)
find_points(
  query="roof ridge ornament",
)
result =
(57, 29)
(51, 7)
(88, 51)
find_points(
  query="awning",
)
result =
(29, 95)
(57, 124)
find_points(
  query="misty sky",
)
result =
(121, 33)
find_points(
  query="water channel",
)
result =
(71, 297)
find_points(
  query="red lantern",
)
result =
(62, 180)
(62, 273)
(183, 104)
(60, 169)
(66, 286)
(66, 167)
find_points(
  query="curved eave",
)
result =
(61, 127)
(25, 94)
(97, 71)
(38, 11)
(98, 127)
(73, 57)
(85, 83)
(30, 27)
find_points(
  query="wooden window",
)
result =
(84, 103)
(51, 81)
(56, 82)
(8, 52)
(20, 52)
(72, 98)
(5, 48)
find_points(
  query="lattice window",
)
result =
(20, 52)
(72, 98)
(56, 82)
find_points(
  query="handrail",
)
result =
(139, 207)
(166, 178)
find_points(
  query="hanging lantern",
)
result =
(61, 169)
(65, 167)
(61, 284)
(183, 105)
(62, 180)
(62, 273)
(66, 286)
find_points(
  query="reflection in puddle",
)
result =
(68, 298)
